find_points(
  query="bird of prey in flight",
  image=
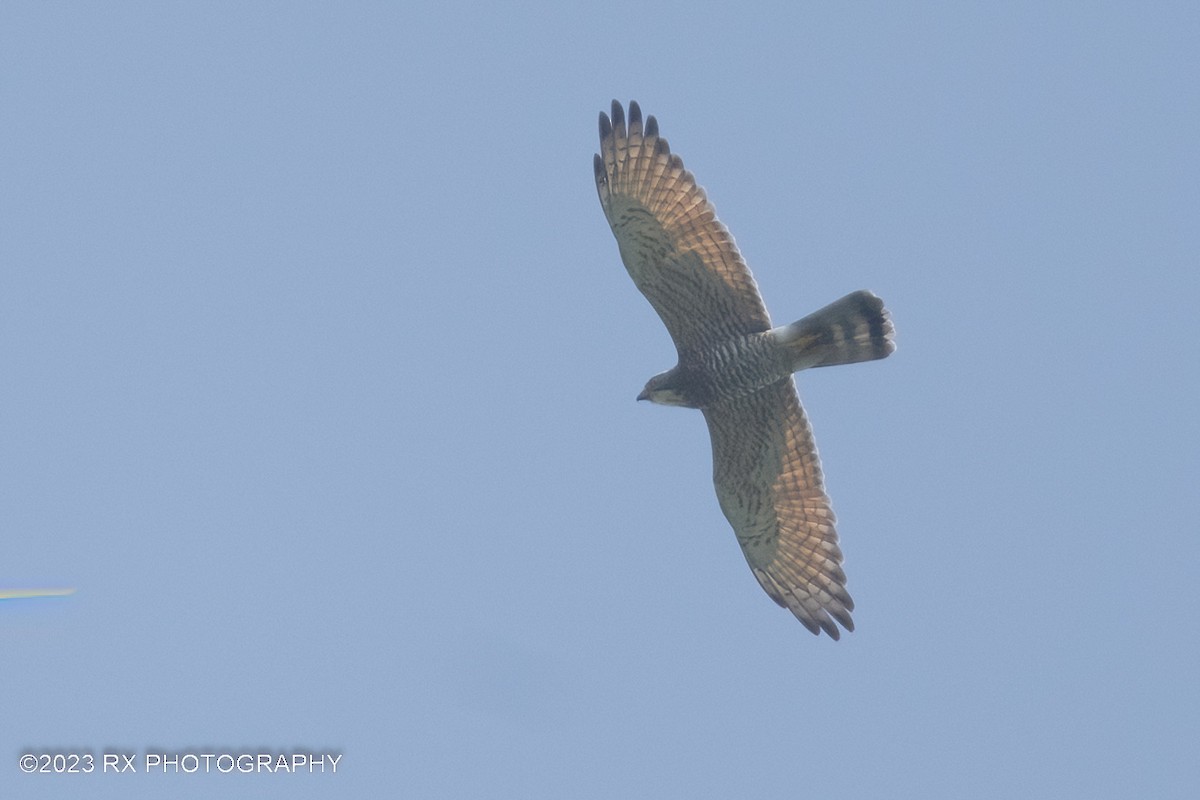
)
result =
(736, 367)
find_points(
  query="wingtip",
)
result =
(826, 622)
(815, 618)
(635, 121)
(648, 126)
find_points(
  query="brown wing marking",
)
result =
(768, 481)
(676, 250)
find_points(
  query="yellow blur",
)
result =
(17, 594)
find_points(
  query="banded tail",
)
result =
(855, 328)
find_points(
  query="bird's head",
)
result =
(666, 389)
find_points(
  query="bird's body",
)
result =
(735, 367)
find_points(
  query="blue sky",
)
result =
(319, 373)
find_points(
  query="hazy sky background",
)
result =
(317, 379)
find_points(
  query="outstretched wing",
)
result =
(676, 250)
(768, 480)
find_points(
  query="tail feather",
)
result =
(855, 328)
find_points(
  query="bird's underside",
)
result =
(735, 367)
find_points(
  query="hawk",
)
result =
(736, 367)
